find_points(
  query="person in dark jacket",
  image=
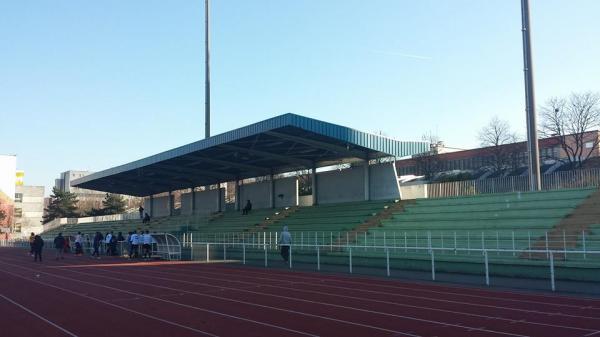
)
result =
(97, 241)
(38, 244)
(247, 208)
(31, 238)
(59, 245)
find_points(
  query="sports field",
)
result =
(110, 297)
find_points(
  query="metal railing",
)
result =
(553, 181)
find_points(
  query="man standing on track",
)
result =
(285, 240)
(37, 246)
(97, 240)
(135, 242)
(147, 241)
(59, 245)
(78, 244)
(31, 238)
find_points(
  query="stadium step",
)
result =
(375, 220)
(569, 231)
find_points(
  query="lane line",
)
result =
(510, 320)
(428, 288)
(175, 303)
(39, 316)
(307, 301)
(111, 304)
(323, 284)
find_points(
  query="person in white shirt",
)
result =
(285, 240)
(78, 244)
(147, 245)
(135, 241)
(107, 240)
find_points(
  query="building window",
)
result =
(589, 145)
(18, 197)
(18, 212)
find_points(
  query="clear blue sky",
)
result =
(93, 84)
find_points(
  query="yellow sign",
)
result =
(20, 175)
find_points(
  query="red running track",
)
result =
(79, 296)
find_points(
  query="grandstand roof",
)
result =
(280, 144)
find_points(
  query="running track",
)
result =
(80, 296)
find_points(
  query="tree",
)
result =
(568, 120)
(499, 141)
(113, 204)
(428, 163)
(62, 205)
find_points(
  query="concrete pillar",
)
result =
(219, 196)
(272, 191)
(152, 206)
(171, 203)
(315, 193)
(193, 200)
(238, 195)
(367, 180)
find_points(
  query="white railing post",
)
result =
(584, 247)
(405, 242)
(350, 259)
(224, 251)
(207, 252)
(191, 246)
(290, 256)
(455, 252)
(265, 258)
(387, 260)
(529, 242)
(432, 265)
(487, 268)
(482, 240)
(243, 252)
(547, 252)
(565, 244)
(552, 284)
(318, 258)
(513, 244)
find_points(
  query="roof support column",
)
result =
(219, 204)
(272, 190)
(193, 200)
(367, 180)
(152, 205)
(315, 192)
(171, 203)
(238, 195)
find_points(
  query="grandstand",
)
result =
(356, 211)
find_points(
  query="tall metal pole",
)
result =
(532, 138)
(207, 74)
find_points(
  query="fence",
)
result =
(553, 181)
(534, 251)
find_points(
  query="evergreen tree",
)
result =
(62, 205)
(113, 204)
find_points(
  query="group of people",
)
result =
(137, 243)
(144, 216)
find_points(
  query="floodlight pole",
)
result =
(532, 138)
(207, 74)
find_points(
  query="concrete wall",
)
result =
(161, 206)
(206, 202)
(416, 191)
(286, 193)
(384, 182)
(257, 193)
(341, 186)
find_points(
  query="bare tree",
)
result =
(429, 163)
(500, 142)
(568, 120)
